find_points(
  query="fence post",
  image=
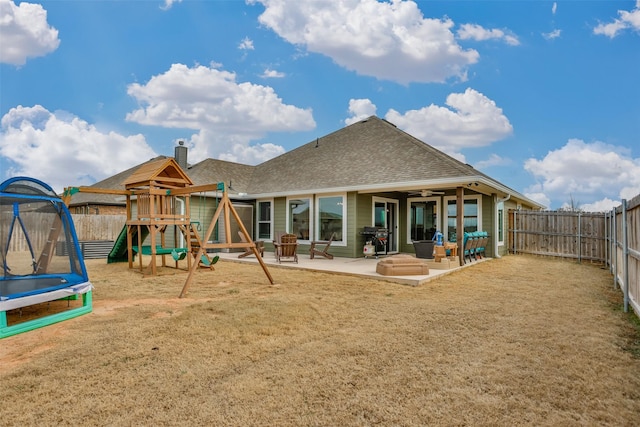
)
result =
(614, 248)
(625, 255)
(515, 228)
(607, 239)
(579, 238)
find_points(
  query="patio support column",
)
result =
(460, 223)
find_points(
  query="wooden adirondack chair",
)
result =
(287, 247)
(249, 250)
(321, 247)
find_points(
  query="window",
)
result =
(423, 219)
(264, 220)
(331, 213)
(299, 217)
(472, 216)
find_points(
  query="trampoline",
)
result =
(39, 253)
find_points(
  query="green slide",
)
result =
(119, 251)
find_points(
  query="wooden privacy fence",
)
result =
(89, 228)
(576, 235)
(98, 227)
(611, 238)
(623, 224)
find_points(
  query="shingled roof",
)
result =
(236, 176)
(370, 155)
(367, 153)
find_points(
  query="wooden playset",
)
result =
(162, 192)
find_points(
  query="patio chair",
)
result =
(287, 247)
(470, 244)
(483, 239)
(321, 247)
(249, 249)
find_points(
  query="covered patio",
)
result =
(360, 267)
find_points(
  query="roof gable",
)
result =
(164, 173)
(114, 182)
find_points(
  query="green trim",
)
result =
(7, 331)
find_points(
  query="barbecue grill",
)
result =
(378, 237)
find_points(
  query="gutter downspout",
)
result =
(182, 242)
(496, 252)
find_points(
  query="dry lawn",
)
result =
(514, 341)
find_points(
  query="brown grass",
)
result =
(514, 341)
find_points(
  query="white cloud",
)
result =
(603, 205)
(25, 33)
(611, 29)
(473, 120)
(360, 109)
(586, 172)
(539, 197)
(493, 160)
(386, 40)
(477, 32)
(246, 44)
(167, 4)
(627, 20)
(252, 154)
(552, 35)
(63, 150)
(226, 113)
(272, 74)
(554, 8)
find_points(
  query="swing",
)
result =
(202, 209)
(178, 254)
(208, 263)
(226, 208)
(205, 261)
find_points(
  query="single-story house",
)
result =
(366, 176)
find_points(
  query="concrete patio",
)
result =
(362, 267)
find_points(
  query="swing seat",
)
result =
(205, 260)
(178, 254)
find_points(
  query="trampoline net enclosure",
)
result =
(39, 252)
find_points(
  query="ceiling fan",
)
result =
(426, 193)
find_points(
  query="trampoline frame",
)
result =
(18, 291)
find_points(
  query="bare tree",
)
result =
(572, 206)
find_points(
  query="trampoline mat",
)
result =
(19, 287)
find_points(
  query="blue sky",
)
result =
(542, 96)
